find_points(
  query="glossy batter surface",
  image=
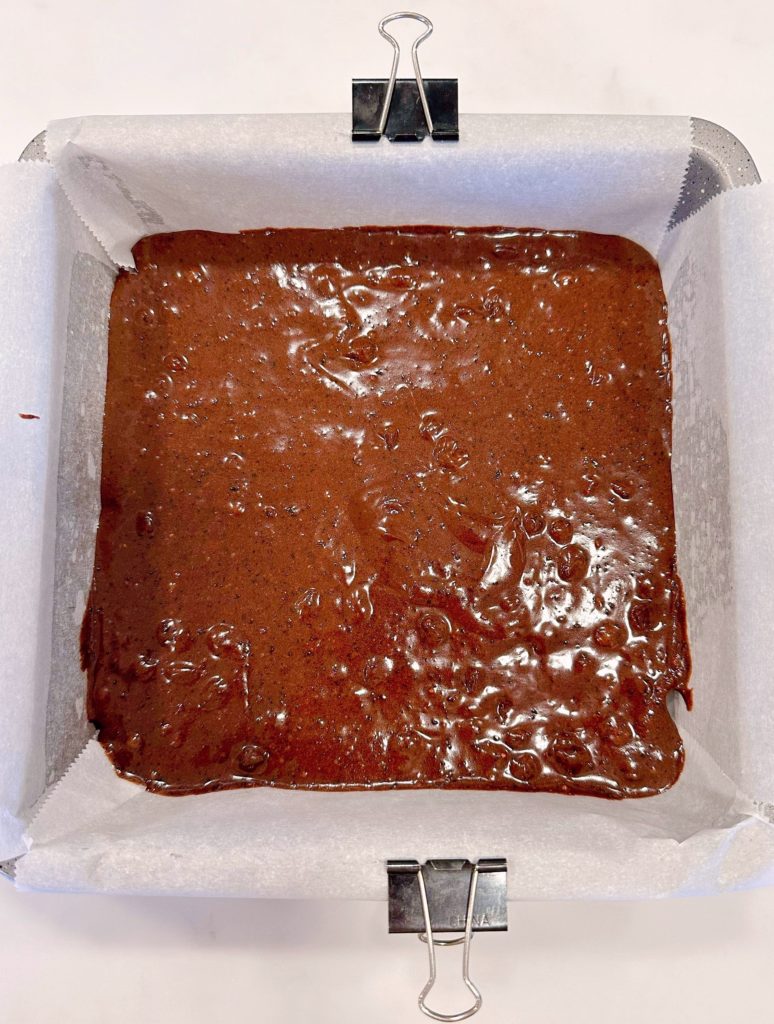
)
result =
(388, 507)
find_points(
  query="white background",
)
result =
(81, 959)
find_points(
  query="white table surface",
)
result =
(78, 959)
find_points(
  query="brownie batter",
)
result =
(388, 507)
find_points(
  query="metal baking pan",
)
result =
(718, 162)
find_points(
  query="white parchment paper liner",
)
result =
(126, 177)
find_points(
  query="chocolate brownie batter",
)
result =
(388, 507)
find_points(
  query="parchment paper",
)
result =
(39, 237)
(127, 177)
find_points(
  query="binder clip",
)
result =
(447, 896)
(403, 109)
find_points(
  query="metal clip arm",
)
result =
(433, 942)
(414, 60)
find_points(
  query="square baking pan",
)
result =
(717, 163)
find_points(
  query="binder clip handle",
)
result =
(396, 60)
(432, 942)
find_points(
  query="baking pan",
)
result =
(718, 162)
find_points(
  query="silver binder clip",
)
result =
(402, 109)
(447, 886)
